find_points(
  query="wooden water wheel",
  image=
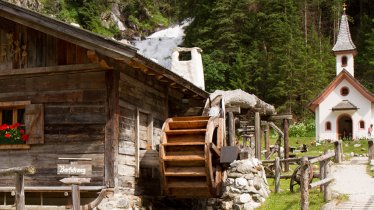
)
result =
(296, 177)
(189, 156)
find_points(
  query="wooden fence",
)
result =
(338, 157)
(324, 181)
(19, 173)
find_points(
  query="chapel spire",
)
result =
(344, 48)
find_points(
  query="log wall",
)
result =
(143, 109)
(74, 107)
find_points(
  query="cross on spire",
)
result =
(344, 7)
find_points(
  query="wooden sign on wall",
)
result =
(74, 169)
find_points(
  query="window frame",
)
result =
(33, 121)
(14, 105)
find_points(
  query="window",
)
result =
(362, 124)
(344, 91)
(18, 118)
(344, 61)
(12, 115)
(328, 126)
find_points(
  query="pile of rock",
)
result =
(246, 186)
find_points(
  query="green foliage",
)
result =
(278, 50)
(261, 48)
(87, 13)
(302, 129)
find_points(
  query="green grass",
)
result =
(313, 150)
(286, 200)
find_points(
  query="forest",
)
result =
(279, 50)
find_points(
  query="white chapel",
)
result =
(345, 108)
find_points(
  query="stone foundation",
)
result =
(246, 186)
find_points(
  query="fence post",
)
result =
(327, 193)
(338, 151)
(304, 183)
(370, 150)
(277, 174)
(20, 192)
(322, 167)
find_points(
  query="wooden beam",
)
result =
(281, 117)
(267, 140)
(304, 184)
(257, 135)
(286, 144)
(20, 191)
(19, 170)
(111, 127)
(53, 70)
(321, 182)
(231, 130)
(278, 130)
(137, 143)
(52, 188)
(233, 109)
(215, 150)
(322, 157)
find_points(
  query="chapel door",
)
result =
(345, 127)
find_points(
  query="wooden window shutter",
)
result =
(34, 121)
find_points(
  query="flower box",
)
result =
(13, 134)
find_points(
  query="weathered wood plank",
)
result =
(111, 127)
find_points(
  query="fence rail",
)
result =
(19, 173)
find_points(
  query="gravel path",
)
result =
(351, 179)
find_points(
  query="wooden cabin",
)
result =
(80, 95)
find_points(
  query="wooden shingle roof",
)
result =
(344, 41)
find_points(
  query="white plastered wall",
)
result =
(325, 113)
(350, 63)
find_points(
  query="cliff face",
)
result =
(31, 4)
(120, 19)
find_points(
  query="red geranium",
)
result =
(25, 137)
(13, 134)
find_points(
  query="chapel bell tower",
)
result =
(344, 48)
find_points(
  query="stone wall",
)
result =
(246, 186)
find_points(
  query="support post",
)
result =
(267, 140)
(286, 145)
(257, 136)
(304, 184)
(75, 196)
(338, 152)
(231, 129)
(20, 192)
(111, 126)
(277, 174)
(327, 192)
(371, 150)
